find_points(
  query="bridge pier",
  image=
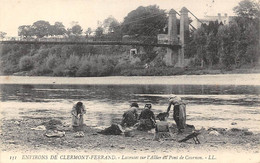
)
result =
(171, 55)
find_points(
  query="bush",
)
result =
(51, 62)
(84, 69)
(40, 55)
(97, 65)
(41, 70)
(71, 66)
(105, 65)
(59, 71)
(26, 63)
(8, 68)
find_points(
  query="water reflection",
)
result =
(106, 103)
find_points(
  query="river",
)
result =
(212, 101)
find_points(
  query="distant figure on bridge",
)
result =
(77, 116)
(130, 116)
(147, 118)
(179, 112)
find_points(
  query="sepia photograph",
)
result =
(129, 80)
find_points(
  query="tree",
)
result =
(110, 24)
(248, 21)
(146, 21)
(2, 35)
(212, 27)
(248, 12)
(25, 31)
(99, 32)
(251, 51)
(114, 26)
(229, 37)
(68, 31)
(211, 49)
(41, 28)
(200, 39)
(88, 32)
(57, 29)
(111, 29)
(76, 30)
(208, 42)
(248, 9)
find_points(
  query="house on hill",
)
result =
(225, 19)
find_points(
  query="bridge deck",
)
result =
(90, 43)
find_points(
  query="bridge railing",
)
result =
(146, 40)
(71, 39)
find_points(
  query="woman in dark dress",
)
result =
(147, 118)
(179, 112)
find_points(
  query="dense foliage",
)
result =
(213, 45)
(43, 28)
(231, 45)
(145, 21)
(60, 60)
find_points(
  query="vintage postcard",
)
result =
(129, 81)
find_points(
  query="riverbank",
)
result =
(220, 79)
(20, 135)
(154, 71)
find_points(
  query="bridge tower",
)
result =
(184, 34)
(176, 57)
(173, 39)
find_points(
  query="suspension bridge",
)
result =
(175, 44)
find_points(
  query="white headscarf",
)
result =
(176, 100)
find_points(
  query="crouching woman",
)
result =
(162, 131)
(147, 119)
(77, 116)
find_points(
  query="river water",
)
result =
(207, 105)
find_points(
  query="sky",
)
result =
(14, 13)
